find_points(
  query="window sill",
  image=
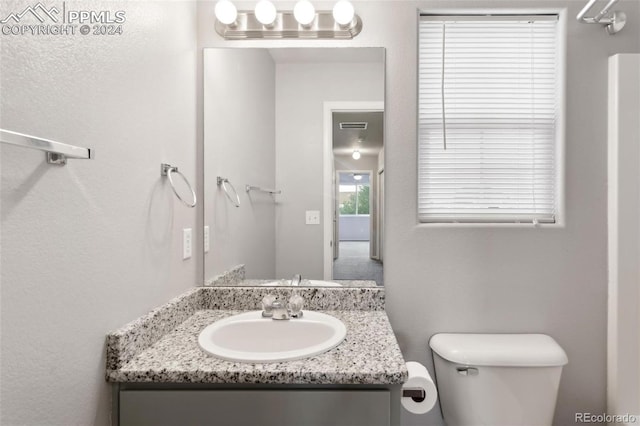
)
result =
(437, 225)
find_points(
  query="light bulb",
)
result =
(304, 12)
(226, 12)
(343, 12)
(356, 154)
(265, 12)
(357, 177)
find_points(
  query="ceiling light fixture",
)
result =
(226, 12)
(266, 13)
(303, 22)
(356, 154)
(357, 177)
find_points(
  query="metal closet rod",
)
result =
(57, 152)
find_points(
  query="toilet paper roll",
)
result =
(419, 378)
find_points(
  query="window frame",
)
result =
(560, 146)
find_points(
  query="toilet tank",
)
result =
(497, 379)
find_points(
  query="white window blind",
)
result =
(488, 111)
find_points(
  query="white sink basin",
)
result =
(307, 283)
(249, 337)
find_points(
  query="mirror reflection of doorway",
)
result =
(357, 208)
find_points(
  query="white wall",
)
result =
(485, 279)
(239, 134)
(624, 235)
(355, 228)
(301, 90)
(95, 244)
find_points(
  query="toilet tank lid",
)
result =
(499, 350)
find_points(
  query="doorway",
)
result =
(354, 249)
(352, 219)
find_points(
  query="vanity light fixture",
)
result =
(356, 154)
(303, 22)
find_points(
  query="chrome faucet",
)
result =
(277, 310)
(296, 280)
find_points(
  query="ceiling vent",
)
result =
(354, 125)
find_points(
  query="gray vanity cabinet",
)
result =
(173, 383)
(273, 407)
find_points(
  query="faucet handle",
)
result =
(296, 302)
(267, 305)
(280, 311)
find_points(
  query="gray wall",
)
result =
(93, 245)
(239, 134)
(301, 90)
(486, 279)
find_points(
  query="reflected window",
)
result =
(354, 199)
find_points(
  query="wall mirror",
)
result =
(294, 164)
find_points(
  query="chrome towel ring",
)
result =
(167, 170)
(225, 184)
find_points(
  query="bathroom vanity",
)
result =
(161, 376)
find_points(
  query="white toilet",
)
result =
(497, 379)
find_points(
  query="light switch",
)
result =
(206, 239)
(187, 243)
(313, 217)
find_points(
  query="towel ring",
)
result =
(167, 170)
(225, 184)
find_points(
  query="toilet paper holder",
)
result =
(417, 394)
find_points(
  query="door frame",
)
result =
(380, 215)
(328, 199)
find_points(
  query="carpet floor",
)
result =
(354, 263)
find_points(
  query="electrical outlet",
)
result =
(206, 239)
(187, 243)
(313, 217)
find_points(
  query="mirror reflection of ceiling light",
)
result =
(356, 154)
(226, 12)
(303, 22)
(266, 12)
(343, 12)
(357, 177)
(304, 12)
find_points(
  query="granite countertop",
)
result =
(368, 355)
(162, 346)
